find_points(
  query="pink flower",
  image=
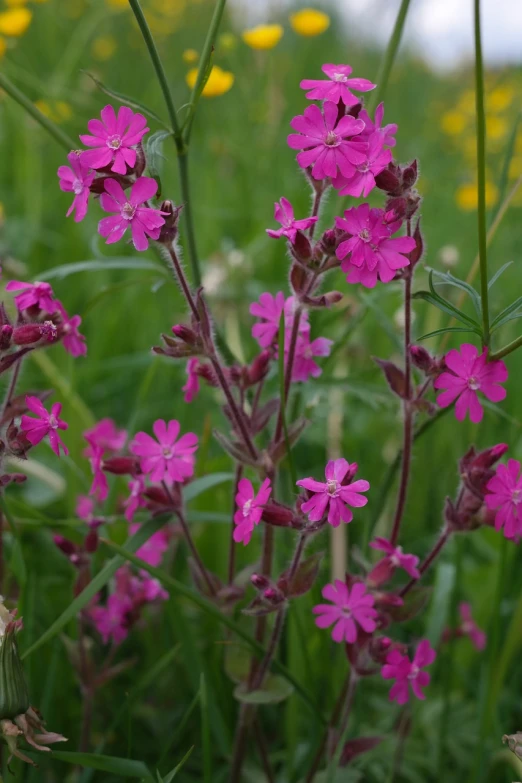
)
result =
(304, 365)
(327, 144)
(76, 179)
(399, 668)
(113, 139)
(387, 132)
(154, 548)
(337, 87)
(84, 508)
(105, 434)
(250, 508)
(468, 374)
(112, 621)
(33, 294)
(284, 214)
(143, 221)
(100, 485)
(504, 496)
(45, 424)
(73, 341)
(371, 252)
(165, 459)
(135, 499)
(191, 388)
(333, 495)
(396, 557)
(470, 628)
(269, 309)
(351, 608)
(363, 181)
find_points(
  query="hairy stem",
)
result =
(12, 387)
(189, 217)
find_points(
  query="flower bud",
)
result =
(185, 334)
(410, 174)
(421, 358)
(381, 572)
(324, 300)
(388, 180)
(27, 334)
(5, 337)
(277, 514)
(302, 248)
(260, 582)
(121, 466)
(169, 230)
(259, 367)
(91, 541)
(141, 160)
(66, 546)
(328, 242)
(273, 596)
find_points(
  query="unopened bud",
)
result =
(388, 180)
(121, 466)
(273, 596)
(91, 541)
(5, 337)
(278, 515)
(169, 230)
(302, 248)
(27, 334)
(259, 581)
(185, 333)
(259, 367)
(421, 358)
(410, 174)
(66, 546)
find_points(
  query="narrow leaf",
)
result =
(100, 265)
(125, 99)
(447, 329)
(200, 485)
(497, 274)
(172, 774)
(446, 307)
(117, 766)
(446, 278)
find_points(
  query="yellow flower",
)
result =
(227, 41)
(496, 127)
(15, 21)
(309, 22)
(44, 107)
(467, 196)
(500, 98)
(264, 36)
(58, 111)
(190, 56)
(15, 2)
(103, 47)
(3, 47)
(453, 122)
(219, 81)
(515, 168)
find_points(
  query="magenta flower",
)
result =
(371, 253)
(470, 628)
(327, 144)
(337, 87)
(333, 495)
(73, 341)
(84, 508)
(33, 295)
(363, 181)
(113, 139)
(304, 366)
(100, 486)
(154, 548)
(250, 508)
(135, 499)
(468, 374)
(351, 608)
(269, 310)
(387, 131)
(143, 221)
(398, 667)
(112, 621)
(284, 214)
(191, 388)
(504, 496)
(396, 557)
(106, 435)
(167, 459)
(46, 424)
(76, 179)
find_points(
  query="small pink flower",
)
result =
(398, 667)
(327, 144)
(470, 628)
(396, 557)
(505, 496)
(371, 253)
(468, 374)
(73, 341)
(337, 87)
(284, 214)
(105, 434)
(112, 621)
(100, 486)
(269, 310)
(45, 424)
(84, 508)
(135, 499)
(76, 179)
(33, 294)
(143, 221)
(166, 459)
(191, 388)
(333, 495)
(387, 131)
(351, 608)
(363, 181)
(154, 548)
(250, 508)
(304, 366)
(114, 139)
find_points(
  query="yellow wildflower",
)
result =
(500, 98)
(3, 47)
(103, 47)
(496, 127)
(227, 41)
(309, 21)
(453, 122)
(15, 2)
(190, 56)
(44, 107)
(219, 81)
(15, 21)
(264, 36)
(515, 167)
(467, 196)
(59, 111)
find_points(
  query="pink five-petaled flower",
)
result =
(469, 373)
(304, 365)
(191, 387)
(143, 221)
(505, 497)
(135, 499)
(154, 548)
(337, 87)
(73, 341)
(396, 557)
(470, 628)
(398, 667)
(327, 144)
(105, 434)
(284, 214)
(166, 459)
(387, 131)
(33, 294)
(111, 621)
(76, 179)
(333, 495)
(250, 508)
(45, 424)
(269, 310)
(363, 181)
(113, 139)
(350, 608)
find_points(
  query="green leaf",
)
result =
(100, 265)
(275, 690)
(497, 274)
(124, 99)
(447, 307)
(237, 663)
(200, 485)
(446, 329)
(172, 774)
(440, 602)
(447, 278)
(117, 766)
(499, 320)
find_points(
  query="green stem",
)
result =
(507, 349)
(57, 133)
(481, 175)
(389, 57)
(189, 217)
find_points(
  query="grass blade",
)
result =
(481, 176)
(389, 57)
(205, 732)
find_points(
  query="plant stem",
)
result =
(481, 175)
(12, 387)
(389, 57)
(507, 349)
(344, 727)
(192, 546)
(188, 216)
(232, 547)
(288, 372)
(441, 542)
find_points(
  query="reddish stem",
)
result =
(429, 560)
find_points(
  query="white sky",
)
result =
(440, 30)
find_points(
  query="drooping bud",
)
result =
(65, 546)
(324, 300)
(278, 515)
(259, 581)
(259, 368)
(422, 359)
(395, 377)
(410, 174)
(5, 337)
(302, 248)
(169, 230)
(91, 541)
(121, 466)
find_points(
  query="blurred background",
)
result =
(55, 51)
